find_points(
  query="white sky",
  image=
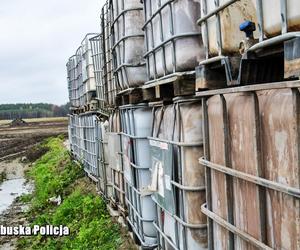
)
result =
(36, 39)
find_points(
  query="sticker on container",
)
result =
(168, 182)
(161, 145)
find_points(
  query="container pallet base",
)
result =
(91, 176)
(168, 87)
(217, 72)
(117, 207)
(136, 239)
(112, 210)
(89, 107)
(274, 60)
(129, 96)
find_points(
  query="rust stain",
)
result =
(218, 180)
(245, 158)
(276, 126)
(280, 133)
(291, 68)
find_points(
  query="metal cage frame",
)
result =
(123, 83)
(152, 51)
(262, 183)
(178, 189)
(133, 192)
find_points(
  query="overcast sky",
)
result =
(36, 39)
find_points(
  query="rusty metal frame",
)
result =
(261, 182)
(233, 229)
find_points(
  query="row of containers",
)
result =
(222, 42)
(216, 170)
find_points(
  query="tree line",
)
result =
(32, 110)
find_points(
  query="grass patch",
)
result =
(82, 211)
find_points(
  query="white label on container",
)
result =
(168, 182)
(161, 145)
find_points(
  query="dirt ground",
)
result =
(14, 140)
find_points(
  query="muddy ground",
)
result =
(15, 140)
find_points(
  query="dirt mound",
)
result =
(18, 122)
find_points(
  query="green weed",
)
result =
(85, 214)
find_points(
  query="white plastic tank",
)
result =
(182, 15)
(271, 10)
(136, 125)
(230, 19)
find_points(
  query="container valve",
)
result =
(248, 27)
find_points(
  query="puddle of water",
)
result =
(10, 190)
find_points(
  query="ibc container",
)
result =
(89, 146)
(252, 166)
(273, 12)
(128, 43)
(173, 39)
(109, 79)
(220, 31)
(88, 77)
(88, 123)
(136, 126)
(77, 139)
(81, 89)
(98, 62)
(177, 180)
(116, 162)
(72, 83)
